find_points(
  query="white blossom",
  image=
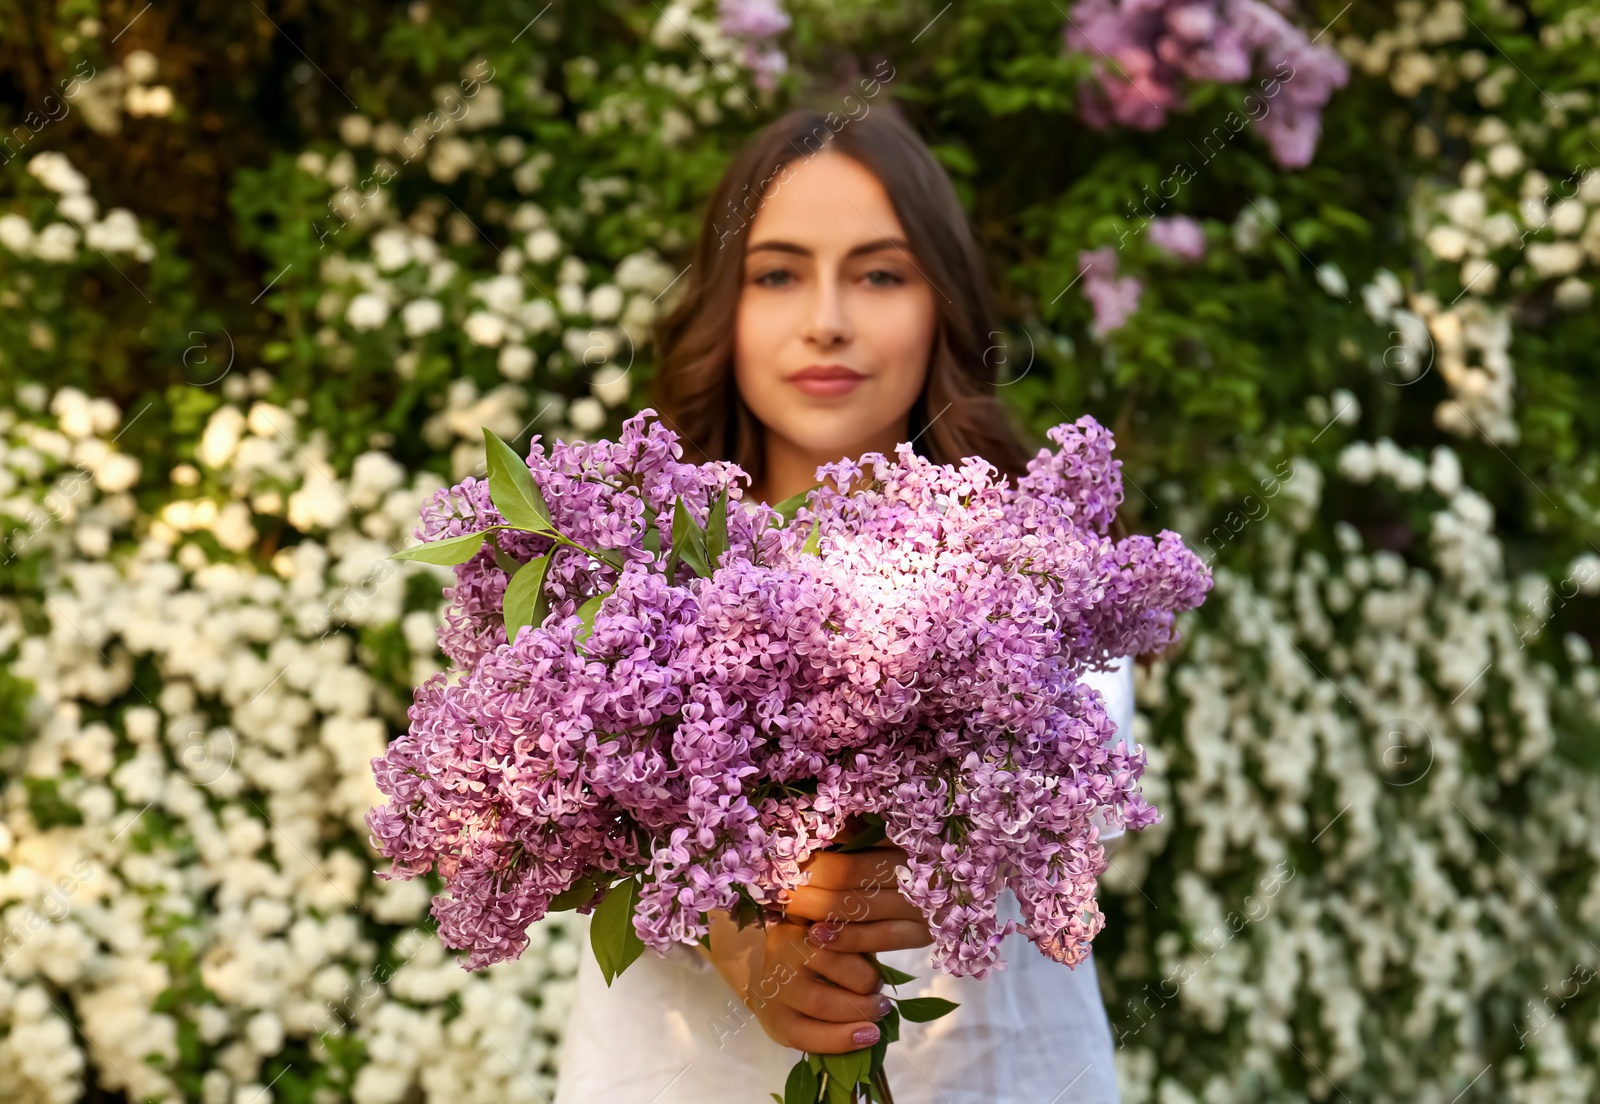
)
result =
(484, 328)
(54, 171)
(57, 243)
(367, 311)
(586, 414)
(421, 316)
(543, 245)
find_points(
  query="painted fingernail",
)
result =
(783, 896)
(865, 1036)
(885, 1006)
(821, 933)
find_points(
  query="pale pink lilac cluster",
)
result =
(1180, 236)
(1155, 46)
(1114, 298)
(922, 663)
(756, 23)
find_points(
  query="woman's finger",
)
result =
(802, 1032)
(790, 952)
(847, 870)
(821, 1000)
(871, 937)
(852, 905)
(852, 971)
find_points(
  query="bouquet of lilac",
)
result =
(665, 704)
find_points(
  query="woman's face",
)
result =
(830, 285)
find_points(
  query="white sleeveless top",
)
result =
(671, 1031)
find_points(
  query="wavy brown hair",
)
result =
(958, 414)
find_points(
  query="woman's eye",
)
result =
(777, 277)
(882, 277)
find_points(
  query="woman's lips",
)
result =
(826, 383)
(825, 386)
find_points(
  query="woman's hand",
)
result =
(804, 996)
(808, 980)
(854, 902)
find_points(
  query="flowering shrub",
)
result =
(1151, 48)
(1351, 361)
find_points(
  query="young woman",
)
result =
(836, 305)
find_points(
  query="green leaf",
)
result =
(923, 1009)
(689, 540)
(581, 893)
(877, 1053)
(813, 542)
(523, 594)
(717, 530)
(616, 944)
(447, 552)
(844, 1070)
(511, 487)
(790, 506)
(502, 559)
(891, 976)
(870, 836)
(890, 1026)
(586, 616)
(801, 1088)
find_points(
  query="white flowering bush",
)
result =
(186, 865)
(239, 349)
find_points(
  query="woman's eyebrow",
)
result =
(865, 247)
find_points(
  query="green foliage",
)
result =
(48, 807)
(612, 935)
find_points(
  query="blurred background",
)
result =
(266, 268)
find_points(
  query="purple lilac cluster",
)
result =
(756, 23)
(918, 659)
(1179, 236)
(1113, 297)
(1155, 46)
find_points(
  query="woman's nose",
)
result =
(829, 324)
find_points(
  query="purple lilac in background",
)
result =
(1154, 47)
